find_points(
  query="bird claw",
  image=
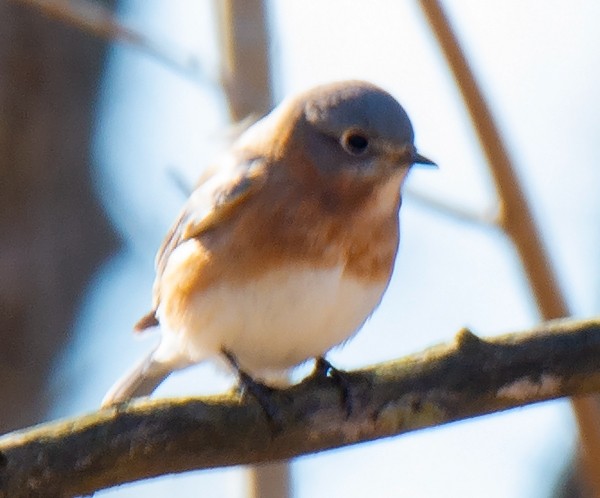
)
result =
(324, 369)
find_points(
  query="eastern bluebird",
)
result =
(287, 247)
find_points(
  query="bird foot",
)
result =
(324, 369)
(263, 394)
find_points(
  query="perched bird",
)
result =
(287, 247)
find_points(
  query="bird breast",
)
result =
(276, 321)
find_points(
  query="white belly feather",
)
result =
(274, 322)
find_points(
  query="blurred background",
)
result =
(105, 126)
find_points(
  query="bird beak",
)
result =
(419, 159)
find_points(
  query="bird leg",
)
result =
(262, 393)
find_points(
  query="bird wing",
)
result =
(215, 199)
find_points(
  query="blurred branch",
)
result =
(465, 378)
(245, 73)
(515, 217)
(96, 19)
(517, 222)
(458, 213)
(246, 80)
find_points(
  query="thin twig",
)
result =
(99, 21)
(516, 218)
(489, 218)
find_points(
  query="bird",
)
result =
(287, 245)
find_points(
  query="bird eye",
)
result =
(355, 142)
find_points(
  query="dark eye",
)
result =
(355, 142)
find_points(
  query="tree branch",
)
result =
(515, 217)
(96, 19)
(465, 378)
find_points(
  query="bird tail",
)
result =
(142, 380)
